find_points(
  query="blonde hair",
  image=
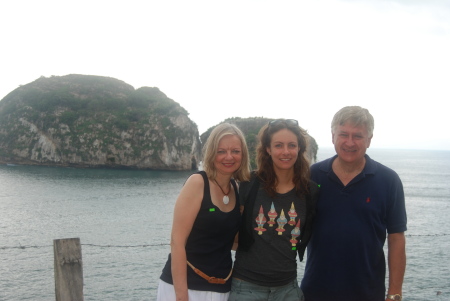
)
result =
(210, 151)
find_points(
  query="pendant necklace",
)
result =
(225, 199)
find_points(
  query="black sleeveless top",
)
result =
(208, 247)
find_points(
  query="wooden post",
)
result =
(68, 269)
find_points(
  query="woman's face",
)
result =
(283, 149)
(229, 155)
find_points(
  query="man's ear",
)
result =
(370, 140)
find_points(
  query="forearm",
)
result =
(396, 262)
(179, 271)
(235, 242)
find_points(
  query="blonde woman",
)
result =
(205, 222)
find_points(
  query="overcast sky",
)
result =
(277, 59)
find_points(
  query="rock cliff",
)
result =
(93, 121)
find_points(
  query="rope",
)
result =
(89, 245)
(167, 244)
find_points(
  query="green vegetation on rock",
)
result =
(94, 121)
(81, 120)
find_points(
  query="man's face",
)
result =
(351, 142)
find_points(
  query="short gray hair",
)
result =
(356, 115)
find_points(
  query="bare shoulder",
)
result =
(194, 181)
(192, 190)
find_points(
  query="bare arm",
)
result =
(185, 212)
(236, 238)
(235, 243)
(396, 262)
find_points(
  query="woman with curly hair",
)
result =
(278, 205)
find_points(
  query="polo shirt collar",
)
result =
(369, 168)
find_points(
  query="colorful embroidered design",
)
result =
(292, 214)
(295, 233)
(260, 221)
(281, 222)
(272, 215)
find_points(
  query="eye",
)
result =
(236, 151)
(221, 151)
(292, 145)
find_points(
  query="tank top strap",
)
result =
(206, 202)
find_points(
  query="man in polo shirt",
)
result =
(361, 202)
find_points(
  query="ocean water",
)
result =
(123, 219)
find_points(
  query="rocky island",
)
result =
(94, 121)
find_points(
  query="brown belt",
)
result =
(208, 278)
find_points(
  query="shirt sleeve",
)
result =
(396, 215)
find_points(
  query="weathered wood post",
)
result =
(68, 269)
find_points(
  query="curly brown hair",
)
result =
(265, 170)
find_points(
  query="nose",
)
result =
(350, 141)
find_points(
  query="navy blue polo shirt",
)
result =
(345, 258)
